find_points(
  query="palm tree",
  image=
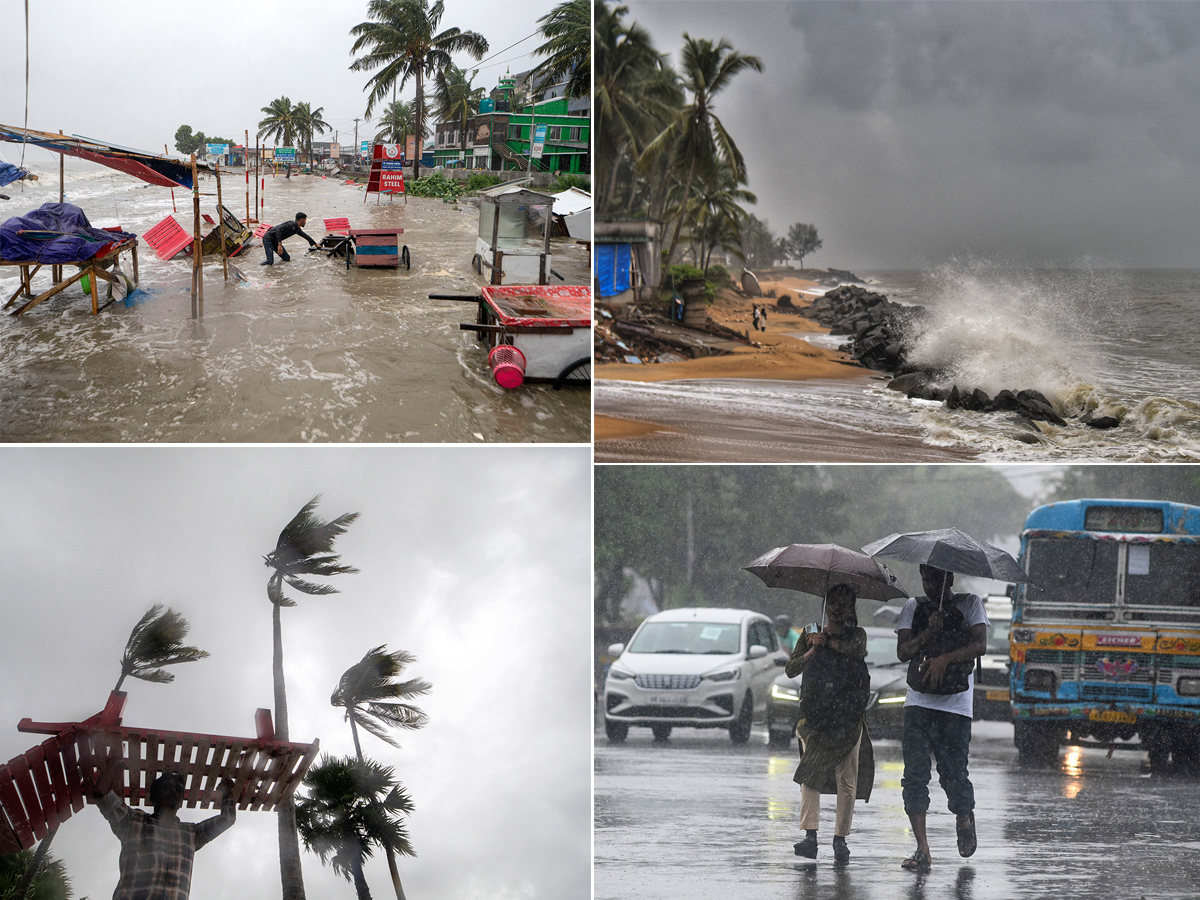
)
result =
(280, 122)
(403, 42)
(636, 95)
(351, 806)
(309, 121)
(304, 549)
(396, 123)
(157, 641)
(568, 46)
(457, 100)
(50, 883)
(716, 213)
(697, 138)
(367, 691)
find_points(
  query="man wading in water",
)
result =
(157, 850)
(274, 237)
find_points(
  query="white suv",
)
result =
(703, 668)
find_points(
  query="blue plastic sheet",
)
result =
(612, 268)
(54, 233)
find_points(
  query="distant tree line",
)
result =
(187, 142)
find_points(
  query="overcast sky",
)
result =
(910, 134)
(130, 72)
(478, 560)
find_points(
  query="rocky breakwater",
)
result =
(880, 332)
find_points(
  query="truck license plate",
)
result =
(1112, 715)
(997, 695)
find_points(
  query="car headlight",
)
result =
(617, 675)
(783, 692)
(727, 675)
(890, 697)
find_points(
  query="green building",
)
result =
(498, 138)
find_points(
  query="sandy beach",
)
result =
(688, 422)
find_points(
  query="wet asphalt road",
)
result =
(697, 817)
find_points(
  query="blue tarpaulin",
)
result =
(10, 173)
(54, 233)
(612, 268)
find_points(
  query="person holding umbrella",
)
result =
(940, 635)
(836, 754)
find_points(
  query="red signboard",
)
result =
(387, 171)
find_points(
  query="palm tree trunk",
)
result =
(687, 193)
(360, 881)
(391, 857)
(290, 872)
(420, 124)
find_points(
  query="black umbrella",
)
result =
(950, 550)
(815, 568)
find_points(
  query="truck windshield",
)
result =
(1163, 574)
(687, 637)
(1072, 570)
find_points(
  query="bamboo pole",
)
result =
(221, 224)
(56, 272)
(197, 249)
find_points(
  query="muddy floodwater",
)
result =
(301, 351)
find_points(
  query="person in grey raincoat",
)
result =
(836, 754)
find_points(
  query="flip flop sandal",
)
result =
(967, 841)
(919, 861)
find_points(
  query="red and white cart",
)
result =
(534, 332)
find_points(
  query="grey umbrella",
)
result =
(950, 550)
(815, 568)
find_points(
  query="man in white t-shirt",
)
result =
(938, 723)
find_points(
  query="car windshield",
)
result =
(687, 637)
(881, 651)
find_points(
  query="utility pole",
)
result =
(356, 138)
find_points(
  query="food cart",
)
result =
(534, 332)
(513, 243)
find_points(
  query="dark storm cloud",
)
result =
(1047, 133)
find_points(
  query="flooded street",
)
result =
(302, 351)
(699, 817)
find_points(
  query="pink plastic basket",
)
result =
(508, 365)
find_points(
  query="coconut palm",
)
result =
(715, 212)
(396, 123)
(568, 32)
(636, 96)
(456, 98)
(402, 41)
(50, 883)
(304, 550)
(373, 699)
(350, 807)
(696, 138)
(309, 121)
(157, 641)
(279, 123)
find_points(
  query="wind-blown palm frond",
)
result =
(366, 688)
(155, 642)
(305, 547)
(279, 123)
(568, 32)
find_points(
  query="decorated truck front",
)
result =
(1105, 642)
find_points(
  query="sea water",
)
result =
(1122, 343)
(300, 351)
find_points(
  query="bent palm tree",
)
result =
(568, 32)
(396, 123)
(351, 806)
(304, 550)
(51, 881)
(157, 641)
(696, 136)
(457, 99)
(373, 699)
(279, 123)
(309, 121)
(403, 42)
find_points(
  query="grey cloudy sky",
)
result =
(130, 72)
(478, 560)
(911, 134)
